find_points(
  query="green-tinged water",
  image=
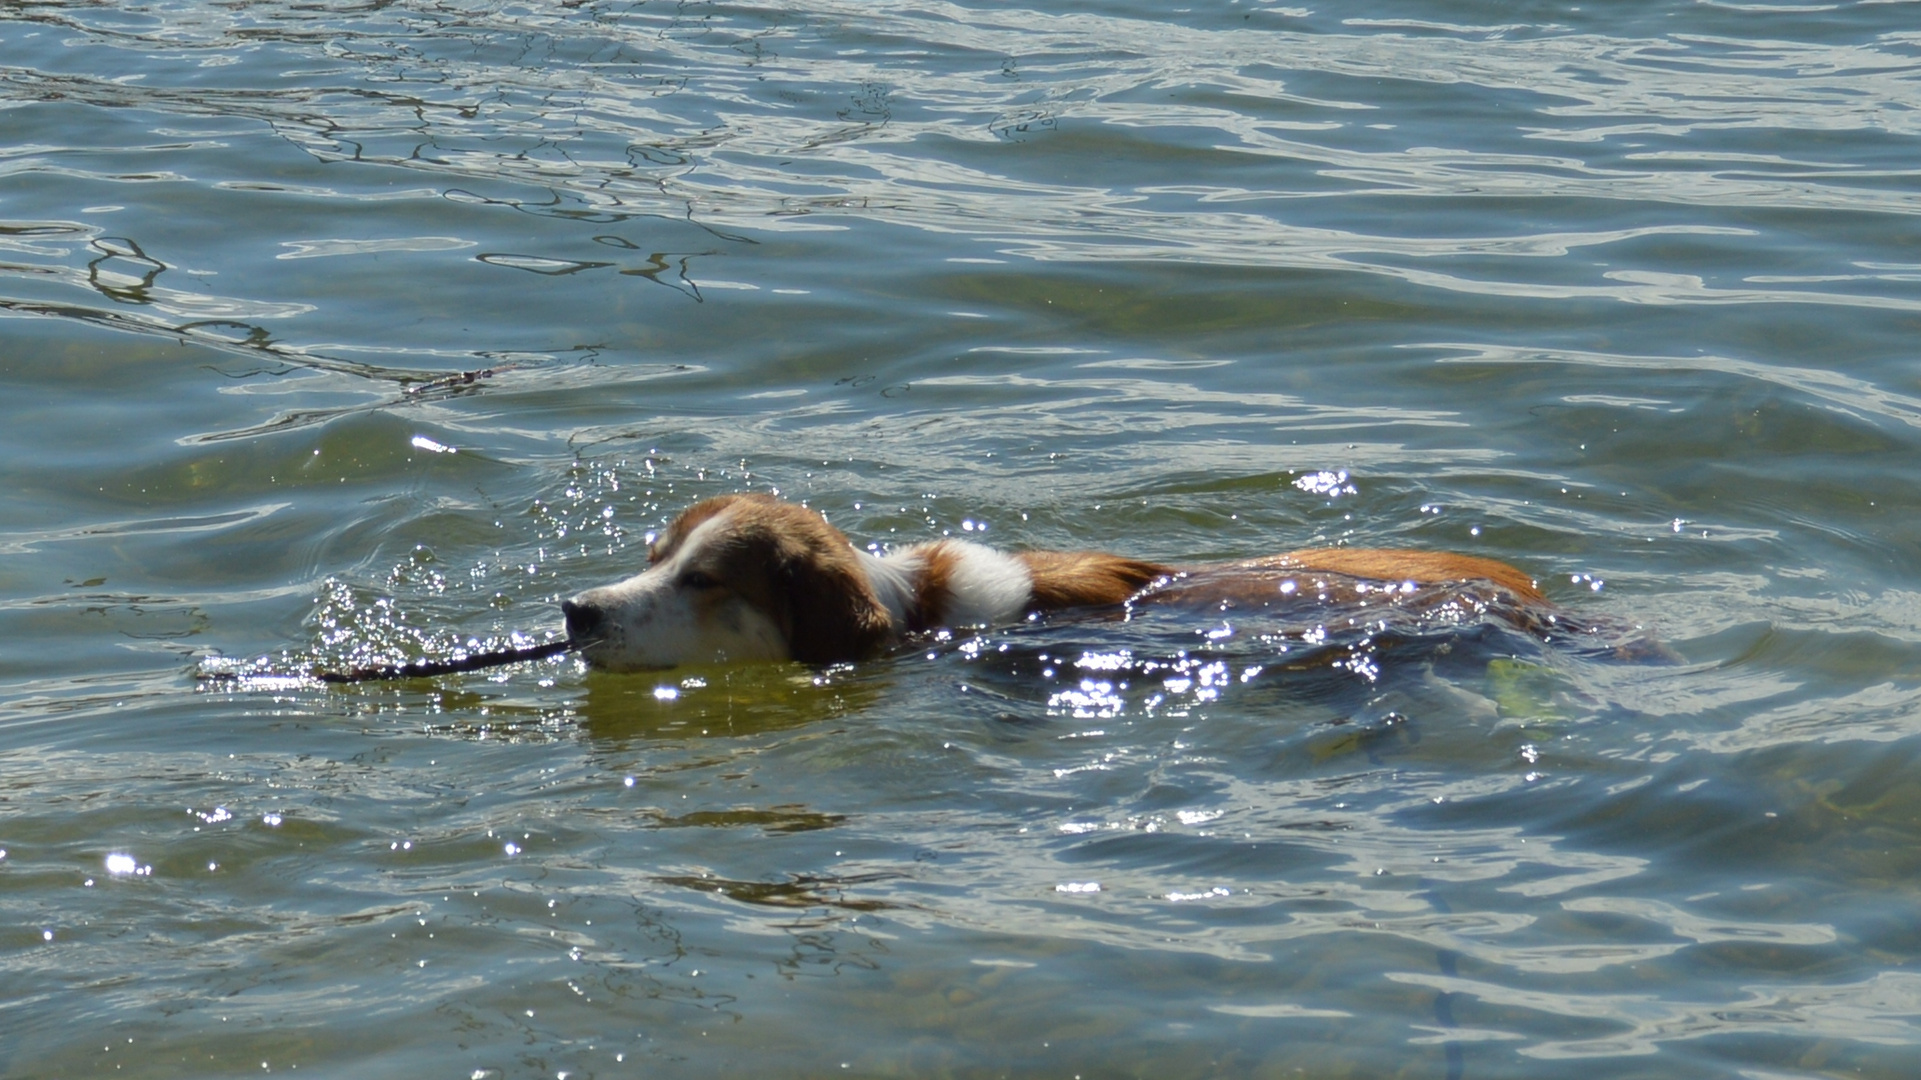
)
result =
(338, 331)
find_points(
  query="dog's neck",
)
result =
(943, 583)
(892, 576)
(948, 583)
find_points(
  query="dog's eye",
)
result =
(697, 579)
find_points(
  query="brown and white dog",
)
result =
(749, 577)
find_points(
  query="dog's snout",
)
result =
(583, 619)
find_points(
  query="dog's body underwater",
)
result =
(750, 577)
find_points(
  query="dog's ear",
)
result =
(832, 610)
(822, 595)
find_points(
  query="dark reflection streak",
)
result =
(185, 334)
(251, 373)
(257, 342)
(1447, 961)
(776, 820)
(657, 265)
(251, 104)
(193, 333)
(413, 385)
(738, 239)
(580, 440)
(413, 389)
(286, 421)
(38, 229)
(799, 891)
(258, 337)
(299, 118)
(556, 267)
(555, 204)
(656, 154)
(450, 385)
(120, 247)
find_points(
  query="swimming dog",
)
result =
(753, 578)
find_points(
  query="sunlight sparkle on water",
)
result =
(121, 864)
(1118, 660)
(1331, 484)
(1091, 700)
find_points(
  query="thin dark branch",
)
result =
(418, 669)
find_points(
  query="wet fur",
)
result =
(750, 577)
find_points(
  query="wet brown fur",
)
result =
(1065, 579)
(789, 562)
(933, 590)
(1387, 564)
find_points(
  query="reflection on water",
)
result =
(341, 335)
(734, 701)
(768, 122)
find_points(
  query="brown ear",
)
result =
(832, 609)
(1064, 579)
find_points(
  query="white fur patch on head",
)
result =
(660, 618)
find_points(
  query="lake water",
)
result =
(345, 331)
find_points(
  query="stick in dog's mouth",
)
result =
(420, 669)
(412, 669)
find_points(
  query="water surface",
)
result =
(346, 331)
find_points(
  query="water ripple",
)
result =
(1880, 1010)
(763, 120)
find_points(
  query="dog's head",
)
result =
(736, 578)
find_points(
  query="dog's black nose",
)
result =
(583, 620)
